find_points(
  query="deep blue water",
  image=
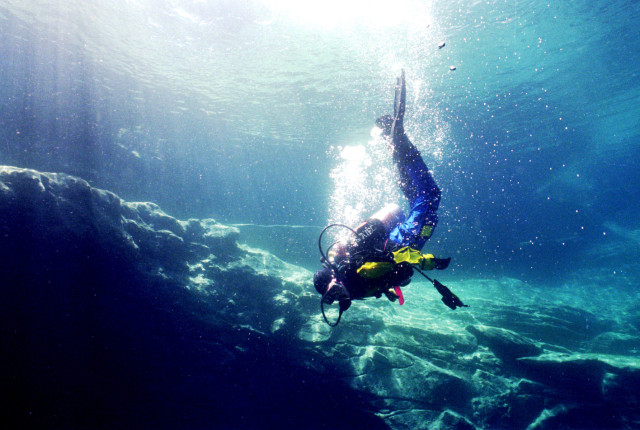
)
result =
(233, 110)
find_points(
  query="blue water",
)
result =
(241, 111)
(231, 110)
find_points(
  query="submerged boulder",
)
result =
(115, 314)
(449, 420)
(505, 344)
(561, 325)
(593, 377)
(615, 343)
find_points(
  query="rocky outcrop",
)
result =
(548, 323)
(505, 344)
(598, 377)
(598, 391)
(116, 314)
(615, 343)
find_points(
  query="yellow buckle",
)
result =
(426, 230)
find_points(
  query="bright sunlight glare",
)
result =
(364, 178)
(352, 13)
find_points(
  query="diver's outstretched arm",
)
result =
(397, 129)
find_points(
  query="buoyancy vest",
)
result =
(368, 269)
(376, 269)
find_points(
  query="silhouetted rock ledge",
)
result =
(505, 344)
(114, 314)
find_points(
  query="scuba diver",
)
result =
(384, 250)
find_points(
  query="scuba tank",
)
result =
(390, 216)
(375, 230)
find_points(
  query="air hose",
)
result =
(327, 263)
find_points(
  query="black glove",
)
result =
(344, 304)
(401, 274)
(391, 295)
(442, 263)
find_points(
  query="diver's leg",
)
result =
(413, 172)
(415, 180)
(418, 185)
(417, 228)
(403, 149)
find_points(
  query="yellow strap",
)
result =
(375, 269)
(415, 258)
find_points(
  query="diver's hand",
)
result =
(401, 274)
(442, 263)
(344, 304)
(391, 295)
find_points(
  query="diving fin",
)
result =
(400, 98)
(397, 128)
(448, 298)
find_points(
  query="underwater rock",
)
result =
(449, 420)
(564, 326)
(581, 375)
(117, 315)
(505, 344)
(634, 317)
(420, 382)
(393, 368)
(601, 377)
(220, 240)
(615, 343)
(138, 319)
(577, 416)
(517, 403)
(410, 418)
